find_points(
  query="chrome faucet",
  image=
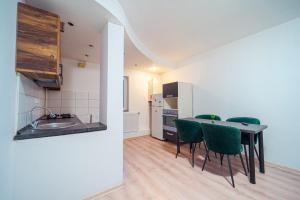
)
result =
(36, 122)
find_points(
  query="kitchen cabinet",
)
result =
(154, 87)
(38, 46)
(170, 90)
(178, 104)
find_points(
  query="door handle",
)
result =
(169, 133)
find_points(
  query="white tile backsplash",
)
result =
(93, 95)
(82, 95)
(68, 95)
(81, 110)
(94, 103)
(68, 103)
(81, 103)
(53, 94)
(54, 103)
(68, 110)
(30, 95)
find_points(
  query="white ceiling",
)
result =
(89, 17)
(179, 29)
(134, 59)
(172, 30)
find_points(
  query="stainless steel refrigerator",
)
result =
(156, 116)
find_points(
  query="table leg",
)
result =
(178, 145)
(261, 152)
(251, 160)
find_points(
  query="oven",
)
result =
(169, 116)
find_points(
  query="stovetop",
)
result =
(60, 116)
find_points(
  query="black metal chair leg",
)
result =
(230, 170)
(221, 158)
(246, 155)
(178, 148)
(206, 156)
(243, 164)
(191, 147)
(206, 151)
(193, 153)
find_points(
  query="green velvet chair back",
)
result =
(222, 139)
(209, 116)
(189, 131)
(249, 120)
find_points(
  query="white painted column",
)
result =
(111, 75)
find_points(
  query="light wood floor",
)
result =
(151, 171)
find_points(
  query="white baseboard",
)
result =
(136, 133)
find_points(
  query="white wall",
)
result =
(80, 79)
(79, 93)
(257, 76)
(80, 165)
(8, 85)
(138, 97)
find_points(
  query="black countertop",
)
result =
(29, 133)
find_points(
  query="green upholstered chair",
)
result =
(188, 132)
(224, 140)
(209, 116)
(245, 140)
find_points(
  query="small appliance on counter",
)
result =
(156, 116)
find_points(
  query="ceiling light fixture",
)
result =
(153, 68)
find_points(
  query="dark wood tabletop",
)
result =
(249, 128)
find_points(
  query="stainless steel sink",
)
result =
(55, 125)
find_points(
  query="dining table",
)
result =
(251, 130)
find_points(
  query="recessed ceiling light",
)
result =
(153, 68)
(86, 55)
(90, 45)
(70, 24)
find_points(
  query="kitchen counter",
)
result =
(29, 133)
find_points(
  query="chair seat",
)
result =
(222, 139)
(228, 152)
